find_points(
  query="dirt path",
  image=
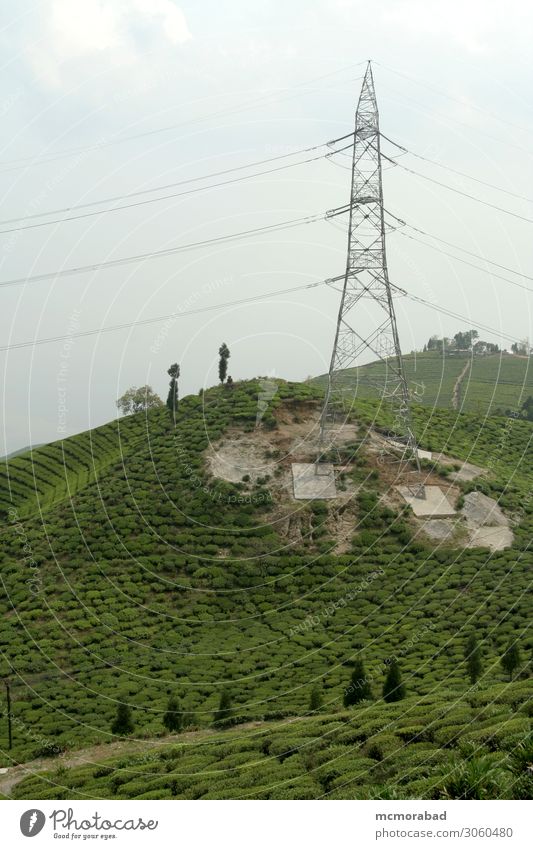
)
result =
(104, 751)
(457, 386)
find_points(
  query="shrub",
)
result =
(123, 722)
(393, 689)
(359, 688)
(225, 709)
(316, 700)
(173, 717)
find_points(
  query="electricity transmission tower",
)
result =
(367, 321)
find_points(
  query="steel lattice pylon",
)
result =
(366, 297)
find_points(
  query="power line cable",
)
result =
(342, 210)
(453, 314)
(455, 171)
(448, 118)
(466, 262)
(457, 191)
(454, 99)
(29, 161)
(242, 234)
(164, 187)
(464, 250)
(168, 316)
(240, 301)
(146, 201)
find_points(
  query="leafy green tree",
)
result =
(393, 689)
(465, 339)
(521, 348)
(511, 658)
(136, 399)
(359, 688)
(224, 355)
(123, 722)
(225, 706)
(173, 718)
(316, 701)
(473, 659)
(172, 398)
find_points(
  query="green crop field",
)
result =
(492, 383)
(130, 574)
(42, 477)
(420, 748)
(497, 382)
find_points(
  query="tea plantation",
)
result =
(472, 747)
(131, 575)
(491, 383)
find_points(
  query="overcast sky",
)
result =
(222, 83)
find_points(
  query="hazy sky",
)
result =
(237, 82)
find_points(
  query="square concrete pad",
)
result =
(434, 505)
(309, 484)
(422, 455)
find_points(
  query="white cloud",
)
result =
(476, 25)
(116, 31)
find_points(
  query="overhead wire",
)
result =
(457, 191)
(165, 186)
(29, 161)
(135, 258)
(242, 301)
(445, 94)
(451, 313)
(248, 233)
(466, 262)
(169, 316)
(446, 119)
(158, 199)
(464, 250)
(454, 170)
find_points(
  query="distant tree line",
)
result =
(463, 340)
(468, 340)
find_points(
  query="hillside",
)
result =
(482, 385)
(424, 747)
(132, 571)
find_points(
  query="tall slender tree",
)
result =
(224, 355)
(359, 687)
(393, 689)
(173, 718)
(473, 658)
(316, 700)
(511, 658)
(224, 706)
(172, 398)
(123, 723)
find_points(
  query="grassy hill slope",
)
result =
(490, 383)
(152, 578)
(420, 748)
(37, 479)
